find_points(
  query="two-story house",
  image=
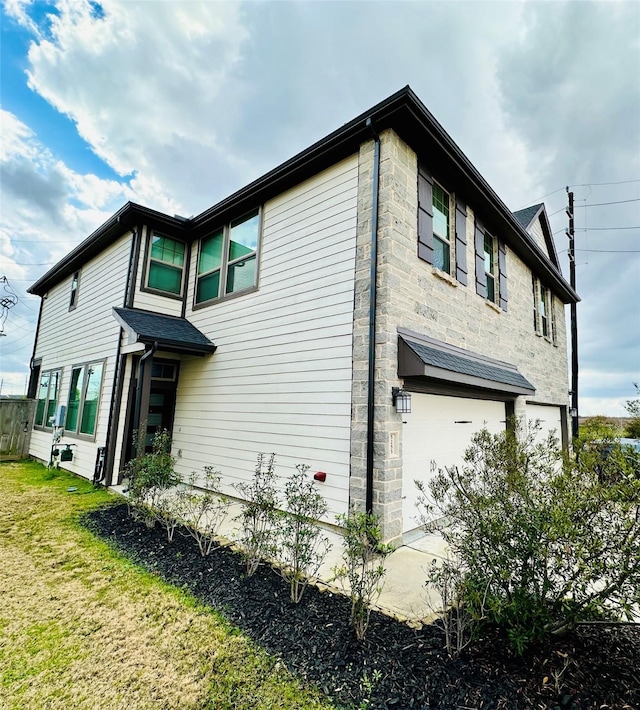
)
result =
(298, 315)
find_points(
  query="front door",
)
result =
(162, 399)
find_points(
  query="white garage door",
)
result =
(436, 434)
(549, 420)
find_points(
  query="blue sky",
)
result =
(176, 104)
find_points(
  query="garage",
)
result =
(436, 434)
(549, 418)
(455, 393)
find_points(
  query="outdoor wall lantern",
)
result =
(401, 400)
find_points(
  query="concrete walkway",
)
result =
(404, 595)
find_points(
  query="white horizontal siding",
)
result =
(280, 380)
(86, 334)
(535, 230)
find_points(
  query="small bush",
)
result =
(301, 548)
(202, 512)
(447, 578)
(259, 513)
(543, 541)
(150, 476)
(363, 556)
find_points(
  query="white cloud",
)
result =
(188, 101)
(144, 83)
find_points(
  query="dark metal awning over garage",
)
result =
(421, 356)
(169, 332)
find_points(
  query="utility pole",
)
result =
(574, 318)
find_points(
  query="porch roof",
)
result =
(171, 333)
(421, 356)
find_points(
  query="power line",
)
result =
(598, 204)
(599, 184)
(586, 184)
(604, 229)
(594, 229)
(613, 251)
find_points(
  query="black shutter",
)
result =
(502, 270)
(461, 242)
(425, 215)
(481, 278)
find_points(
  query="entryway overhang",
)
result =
(170, 333)
(422, 356)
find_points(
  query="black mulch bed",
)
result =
(396, 666)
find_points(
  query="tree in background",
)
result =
(632, 430)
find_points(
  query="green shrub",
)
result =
(363, 568)
(300, 548)
(150, 476)
(259, 514)
(201, 513)
(543, 540)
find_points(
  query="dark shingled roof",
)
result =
(169, 332)
(527, 214)
(468, 366)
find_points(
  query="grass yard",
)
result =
(81, 627)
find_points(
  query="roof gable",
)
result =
(410, 119)
(528, 217)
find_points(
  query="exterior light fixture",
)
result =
(401, 400)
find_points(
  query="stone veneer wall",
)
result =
(414, 295)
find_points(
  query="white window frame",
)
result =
(449, 243)
(491, 276)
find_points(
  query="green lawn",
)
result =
(81, 627)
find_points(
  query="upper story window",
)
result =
(166, 265)
(441, 229)
(75, 283)
(544, 317)
(84, 398)
(227, 259)
(490, 266)
(48, 392)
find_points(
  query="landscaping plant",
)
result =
(632, 429)
(259, 513)
(151, 475)
(363, 568)
(447, 578)
(202, 512)
(545, 541)
(301, 548)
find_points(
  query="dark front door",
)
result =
(158, 413)
(162, 402)
(162, 399)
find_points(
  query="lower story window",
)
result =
(84, 398)
(47, 398)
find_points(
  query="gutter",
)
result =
(143, 359)
(120, 364)
(373, 277)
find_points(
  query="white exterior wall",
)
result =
(88, 333)
(280, 380)
(146, 300)
(535, 230)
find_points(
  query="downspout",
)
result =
(118, 376)
(373, 275)
(141, 364)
